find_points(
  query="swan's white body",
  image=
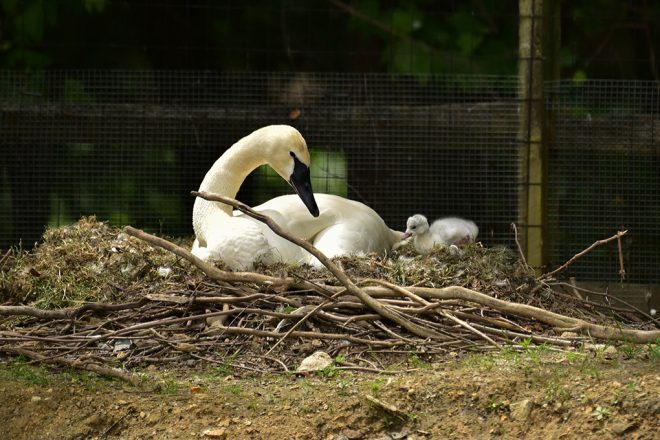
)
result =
(443, 232)
(342, 226)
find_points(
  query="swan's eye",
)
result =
(414, 227)
(292, 154)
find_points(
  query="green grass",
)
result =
(169, 387)
(233, 389)
(18, 368)
(654, 350)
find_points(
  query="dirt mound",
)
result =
(510, 395)
(199, 348)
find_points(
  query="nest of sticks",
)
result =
(114, 301)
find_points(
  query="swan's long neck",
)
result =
(228, 173)
(225, 178)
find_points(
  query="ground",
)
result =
(530, 394)
(181, 378)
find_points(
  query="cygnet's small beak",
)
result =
(301, 181)
(406, 235)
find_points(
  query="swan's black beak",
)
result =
(302, 183)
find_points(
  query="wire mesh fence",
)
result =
(604, 176)
(128, 146)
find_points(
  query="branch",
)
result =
(341, 276)
(89, 366)
(520, 251)
(616, 236)
(554, 319)
(209, 269)
(68, 313)
(441, 312)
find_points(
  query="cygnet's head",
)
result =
(416, 225)
(286, 152)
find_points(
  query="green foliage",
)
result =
(233, 389)
(654, 350)
(19, 368)
(374, 387)
(415, 36)
(169, 386)
(601, 413)
(416, 362)
(95, 6)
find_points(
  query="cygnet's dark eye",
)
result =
(414, 227)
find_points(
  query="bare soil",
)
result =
(502, 395)
(194, 384)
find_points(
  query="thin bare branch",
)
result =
(572, 260)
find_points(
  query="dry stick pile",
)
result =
(259, 323)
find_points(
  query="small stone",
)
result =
(215, 433)
(520, 411)
(610, 352)
(122, 345)
(317, 361)
(594, 347)
(36, 398)
(188, 348)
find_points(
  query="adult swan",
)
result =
(335, 225)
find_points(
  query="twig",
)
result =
(4, 257)
(574, 290)
(224, 363)
(533, 337)
(550, 318)
(613, 297)
(375, 370)
(310, 335)
(274, 359)
(69, 313)
(300, 321)
(210, 270)
(387, 407)
(340, 275)
(80, 364)
(442, 312)
(616, 236)
(520, 251)
(622, 269)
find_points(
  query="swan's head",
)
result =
(416, 225)
(288, 155)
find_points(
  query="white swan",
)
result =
(336, 226)
(445, 232)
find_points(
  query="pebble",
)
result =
(215, 433)
(520, 411)
(317, 361)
